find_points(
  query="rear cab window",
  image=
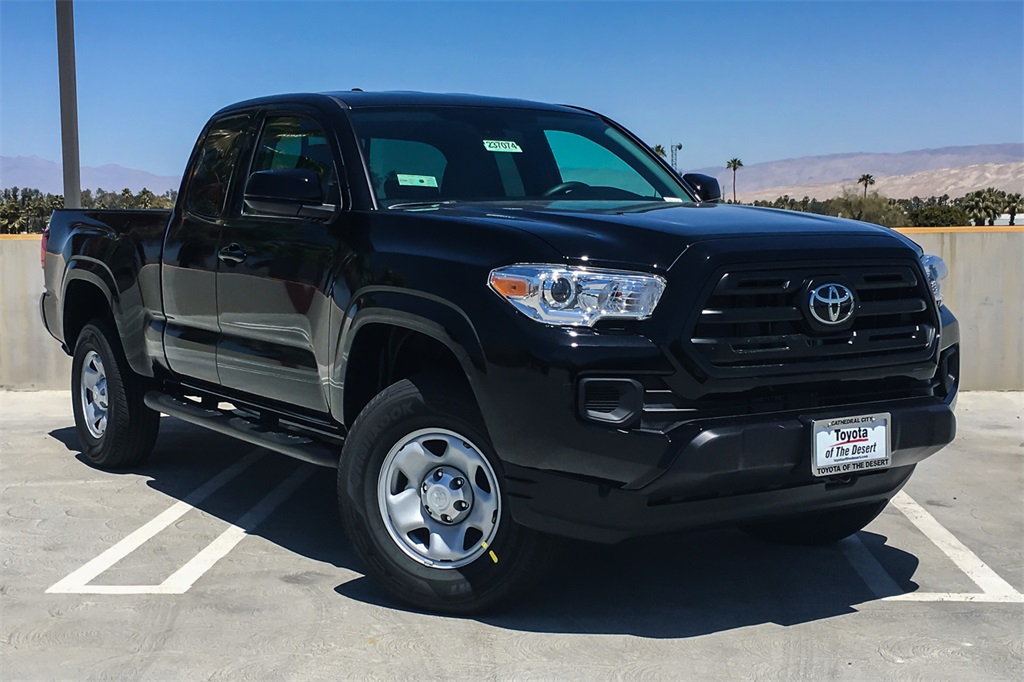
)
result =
(214, 164)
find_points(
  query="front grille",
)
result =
(758, 317)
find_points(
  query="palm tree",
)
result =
(866, 180)
(659, 150)
(734, 165)
(1014, 205)
(996, 202)
(975, 206)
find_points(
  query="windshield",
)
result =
(434, 154)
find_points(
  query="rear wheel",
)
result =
(820, 528)
(115, 427)
(420, 492)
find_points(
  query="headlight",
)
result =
(935, 269)
(577, 296)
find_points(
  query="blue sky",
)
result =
(757, 80)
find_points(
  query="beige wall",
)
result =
(29, 357)
(985, 290)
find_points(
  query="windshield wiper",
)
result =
(420, 204)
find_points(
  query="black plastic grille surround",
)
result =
(759, 317)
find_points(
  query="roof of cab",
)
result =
(357, 99)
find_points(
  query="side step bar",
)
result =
(291, 444)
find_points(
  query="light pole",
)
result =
(674, 148)
(68, 103)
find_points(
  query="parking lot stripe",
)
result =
(966, 560)
(186, 576)
(979, 597)
(871, 572)
(77, 582)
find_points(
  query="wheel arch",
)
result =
(379, 346)
(86, 297)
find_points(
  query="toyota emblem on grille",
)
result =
(831, 304)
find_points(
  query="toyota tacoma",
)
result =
(501, 322)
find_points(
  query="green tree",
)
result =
(734, 165)
(976, 207)
(937, 216)
(866, 180)
(1014, 205)
(659, 150)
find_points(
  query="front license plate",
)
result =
(850, 445)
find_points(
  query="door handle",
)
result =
(232, 253)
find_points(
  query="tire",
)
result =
(820, 528)
(115, 428)
(399, 481)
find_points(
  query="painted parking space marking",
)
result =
(994, 589)
(78, 582)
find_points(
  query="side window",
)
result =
(580, 159)
(405, 169)
(298, 142)
(211, 174)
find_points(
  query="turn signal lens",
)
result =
(577, 296)
(510, 287)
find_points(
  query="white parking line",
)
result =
(966, 560)
(182, 579)
(993, 588)
(871, 572)
(186, 576)
(78, 580)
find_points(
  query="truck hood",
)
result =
(651, 234)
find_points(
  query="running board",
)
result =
(291, 444)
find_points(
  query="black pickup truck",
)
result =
(503, 321)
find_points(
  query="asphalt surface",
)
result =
(915, 596)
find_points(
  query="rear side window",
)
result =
(211, 174)
(298, 142)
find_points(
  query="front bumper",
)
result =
(727, 472)
(571, 477)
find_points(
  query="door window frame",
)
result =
(236, 211)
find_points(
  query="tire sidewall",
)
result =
(383, 424)
(91, 339)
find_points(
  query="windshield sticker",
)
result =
(674, 200)
(417, 180)
(501, 146)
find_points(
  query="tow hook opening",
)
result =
(834, 482)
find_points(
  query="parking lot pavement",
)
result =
(219, 561)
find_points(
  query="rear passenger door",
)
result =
(189, 266)
(274, 275)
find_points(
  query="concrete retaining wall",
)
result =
(985, 290)
(29, 357)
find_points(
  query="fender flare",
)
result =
(416, 311)
(96, 273)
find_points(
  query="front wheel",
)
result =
(819, 528)
(420, 493)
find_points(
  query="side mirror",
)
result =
(706, 187)
(291, 192)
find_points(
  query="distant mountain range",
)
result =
(839, 168)
(46, 176)
(954, 182)
(819, 176)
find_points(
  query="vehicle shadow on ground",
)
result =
(675, 586)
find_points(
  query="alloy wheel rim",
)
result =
(439, 498)
(93, 394)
